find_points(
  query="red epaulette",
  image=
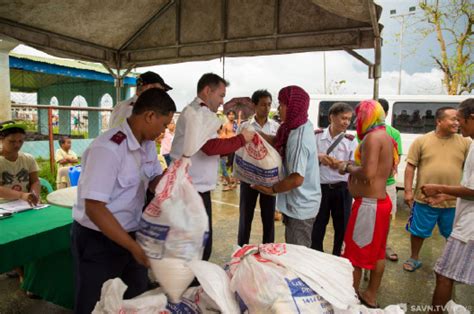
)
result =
(350, 137)
(118, 137)
(318, 131)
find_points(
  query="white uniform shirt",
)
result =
(270, 127)
(118, 175)
(343, 151)
(203, 170)
(121, 112)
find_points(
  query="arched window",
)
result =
(54, 102)
(79, 118)
(106, 101)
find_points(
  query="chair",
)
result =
(45, 184)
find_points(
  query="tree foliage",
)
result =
(452, 22)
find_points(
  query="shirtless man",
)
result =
(366, 235)
(231, 126)
(229, 129)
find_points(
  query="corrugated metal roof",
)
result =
(76, 64)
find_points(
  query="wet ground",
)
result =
(398, 286)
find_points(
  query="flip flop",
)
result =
(365, 303)
(391, 255)
(411, 265)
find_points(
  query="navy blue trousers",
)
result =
(248, 200)
(206, 198)
(336, 202)
(98, 259)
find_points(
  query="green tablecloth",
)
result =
(39, 240)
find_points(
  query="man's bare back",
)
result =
(376, 166)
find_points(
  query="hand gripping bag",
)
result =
(257, 162)
(174, 226)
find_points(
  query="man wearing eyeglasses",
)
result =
(123, 109)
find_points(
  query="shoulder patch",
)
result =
(350, 137)
(118, 137)
(318, 131)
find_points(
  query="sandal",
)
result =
(365, 303)
(411, 265)
(391, 255)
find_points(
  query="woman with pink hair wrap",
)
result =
(299, 193)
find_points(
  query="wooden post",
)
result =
(51, 140)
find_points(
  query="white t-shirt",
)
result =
(121, 112)
(15, 175)
(463, 227)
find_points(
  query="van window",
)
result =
(416, 117)
(323, 119)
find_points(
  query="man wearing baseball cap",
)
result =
(145, 81)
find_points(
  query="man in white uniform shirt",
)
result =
(334, 146)
(211, 90)
(117, 168)
(123, 109)
(262, 100)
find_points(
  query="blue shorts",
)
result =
(423, 219)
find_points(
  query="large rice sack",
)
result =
(265, 280)
(257, 162)
(174, 226)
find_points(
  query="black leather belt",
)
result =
(337, 185)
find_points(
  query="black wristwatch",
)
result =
(346, 166)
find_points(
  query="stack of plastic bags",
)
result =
(214, 296)
(269, 278)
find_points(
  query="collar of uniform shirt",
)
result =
(327, 135)
(132, 140)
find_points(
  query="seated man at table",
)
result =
(117, 168)
(65, 158)
(18, 171)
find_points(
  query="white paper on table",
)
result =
(18, 206)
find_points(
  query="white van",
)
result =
(411, 115)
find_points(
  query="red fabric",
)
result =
(296, 100)
(367, 256)
(223, 146)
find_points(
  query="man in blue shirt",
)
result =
(299, 193)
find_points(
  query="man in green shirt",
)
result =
(391, 182)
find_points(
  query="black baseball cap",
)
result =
(152, 78)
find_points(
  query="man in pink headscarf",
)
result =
(299, 193)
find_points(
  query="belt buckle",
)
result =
(332, 186)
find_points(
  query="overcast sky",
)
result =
(246, 75)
